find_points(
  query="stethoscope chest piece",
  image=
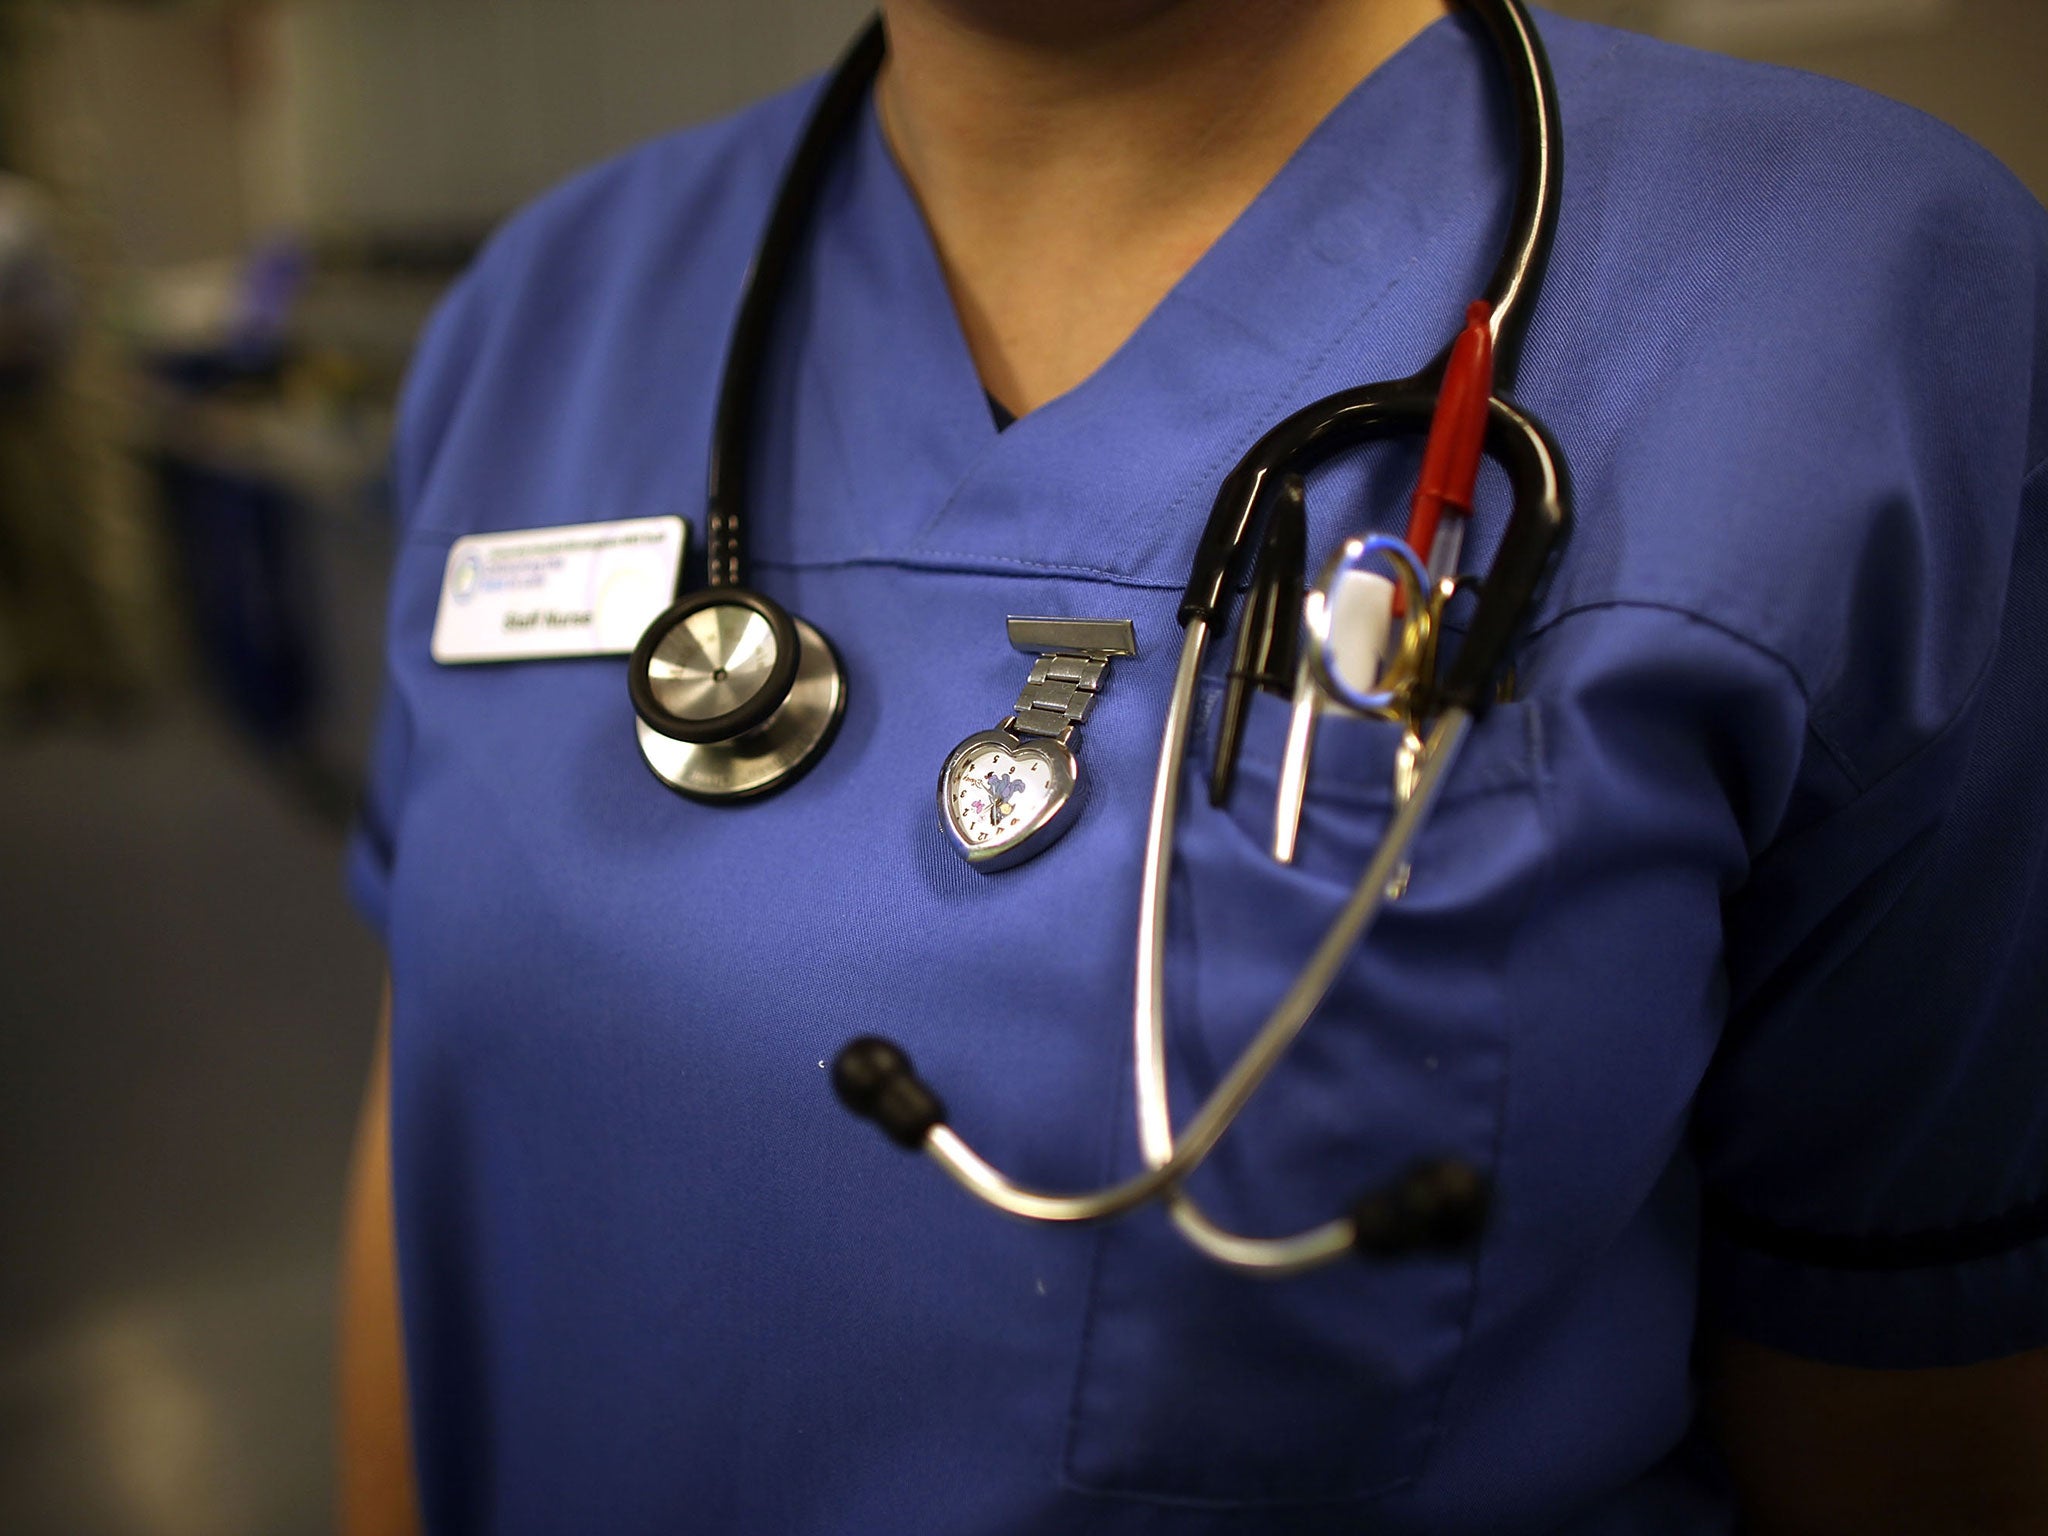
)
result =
(736, 696)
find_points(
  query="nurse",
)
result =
(1725, 955)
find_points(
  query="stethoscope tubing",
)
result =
(1275, 1257)
(729, 475)
(877, 1079)
(1521, 439)
(1539, 183)
(1304, 439)
(1170, 1162)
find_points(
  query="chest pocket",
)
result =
(1196, 1383)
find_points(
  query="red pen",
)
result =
(1457, 432)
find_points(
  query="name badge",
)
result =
(585, 590)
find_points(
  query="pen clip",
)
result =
(1268, 642)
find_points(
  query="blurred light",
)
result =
(193, 1409)
(1746, 25)
(161, 1438)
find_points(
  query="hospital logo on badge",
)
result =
(462, 581)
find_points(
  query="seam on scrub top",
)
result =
(943, 563)
(1535, 786)
(1865, 791)
(1970, 690)
(1122, 1092)
(1774, 851)
(1276, 400)
(1228, 457)
(1125, 1079)
(1719, 626)
(1993, 1237)
(1963, 705)
(1541, 890)
(1378, 797)
(1069, 1481)
(828, 405)
(1265, 417)
(1195, 1049)
(1356, 795)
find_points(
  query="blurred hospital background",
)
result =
(221, 224)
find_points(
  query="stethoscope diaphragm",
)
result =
(736, 697)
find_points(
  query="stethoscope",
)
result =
(736, 697)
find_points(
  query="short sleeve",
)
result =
(426, 406)
(1873, 1136)
(372, 843)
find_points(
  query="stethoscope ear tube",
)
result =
(1539, 179)
(729, 488)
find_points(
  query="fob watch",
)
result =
(1009, 793)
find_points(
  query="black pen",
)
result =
(1268, 640)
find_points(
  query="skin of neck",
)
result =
(1074, 158)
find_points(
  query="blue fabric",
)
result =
(1740, 906)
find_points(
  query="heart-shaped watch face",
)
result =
(1002, 797)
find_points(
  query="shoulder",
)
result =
(1644, 113)
(1735, 186)
(646, 250)
(621, 214)
(1792, 338)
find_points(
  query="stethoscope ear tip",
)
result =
(874, 1079)
(1438, 1206)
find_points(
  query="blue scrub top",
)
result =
(1727, 952)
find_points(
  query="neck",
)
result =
(1075, 157)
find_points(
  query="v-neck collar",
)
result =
(1401, 187)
